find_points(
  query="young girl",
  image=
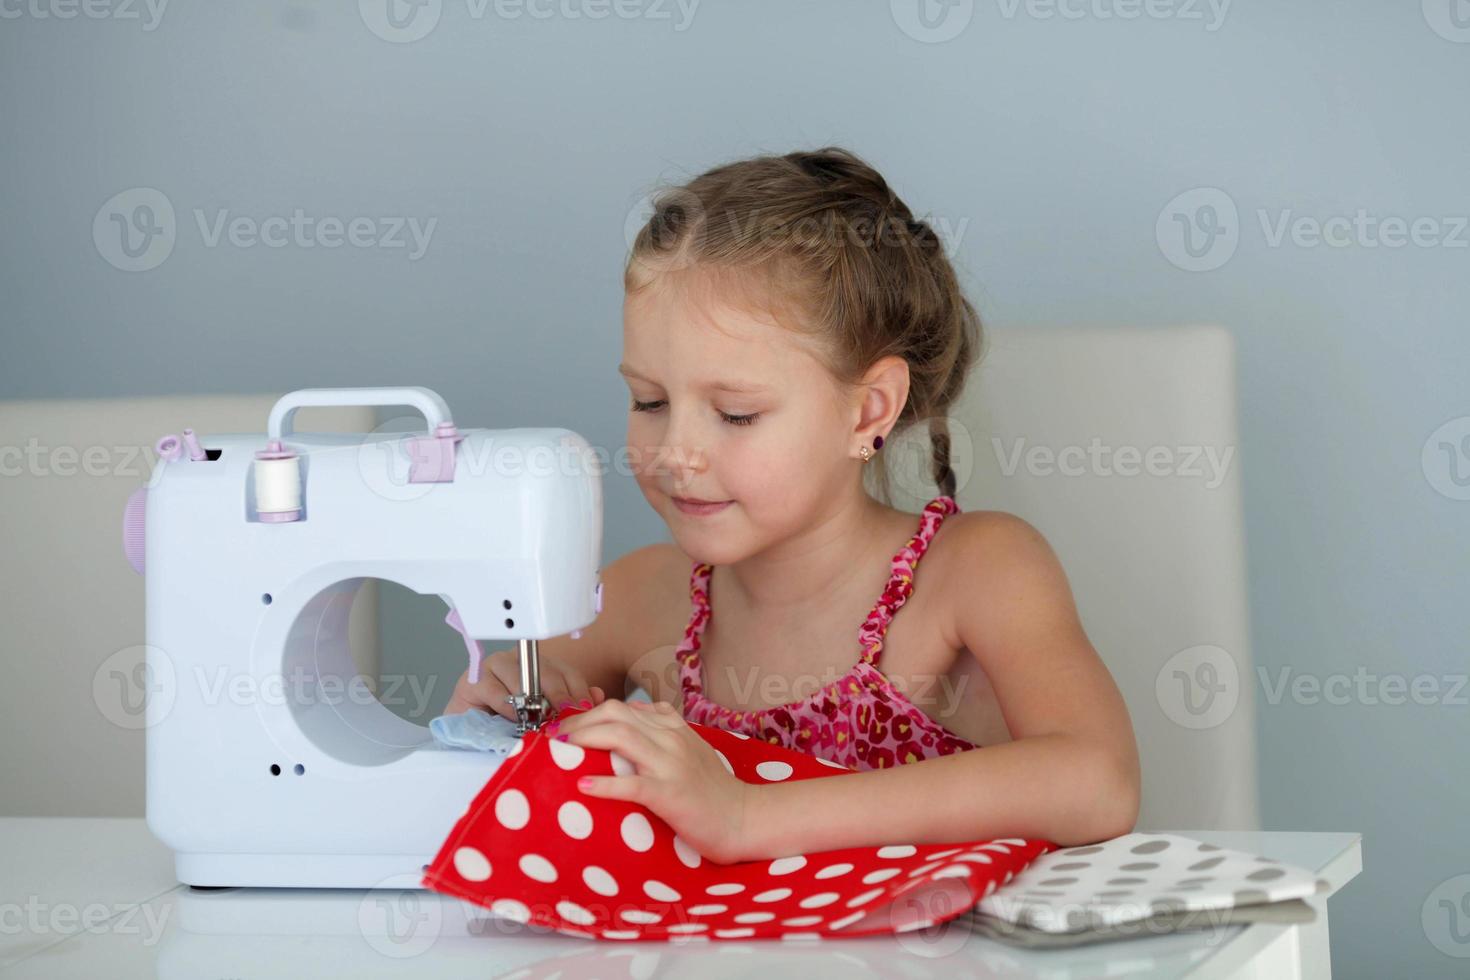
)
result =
(783, 317)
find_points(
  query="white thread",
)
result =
(277, 485)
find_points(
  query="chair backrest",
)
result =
(1119, 445)
(72, 606)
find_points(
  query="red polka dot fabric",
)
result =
(535, 849)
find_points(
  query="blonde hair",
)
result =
(830, 241)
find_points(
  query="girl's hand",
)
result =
(679, 776)
(500, 677)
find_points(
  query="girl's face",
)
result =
(728, 406)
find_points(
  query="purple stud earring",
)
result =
(877, 442)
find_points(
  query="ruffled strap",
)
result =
(901, 579)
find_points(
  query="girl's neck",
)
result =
(817, 562)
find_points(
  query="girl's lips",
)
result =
(699, 510)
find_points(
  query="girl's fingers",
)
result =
(505, 665)
(487, 693)
(659, 714)
(626, 739)
(630, 787)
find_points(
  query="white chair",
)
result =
(1119, 445)
(72, 605)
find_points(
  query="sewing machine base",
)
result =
(301, 870)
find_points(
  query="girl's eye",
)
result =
(732, 419)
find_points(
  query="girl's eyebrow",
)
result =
(739, 387)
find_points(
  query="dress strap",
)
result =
(901, 578)
(687, 653)
(870, 634)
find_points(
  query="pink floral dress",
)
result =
(859, 720)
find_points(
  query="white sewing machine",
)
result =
(269, 760)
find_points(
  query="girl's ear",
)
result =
(882, 394)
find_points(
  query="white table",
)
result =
(98, 897)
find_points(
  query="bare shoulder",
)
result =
(655, 582)
(657, 573)
(994, 560)
(992, 537)
(650, 587)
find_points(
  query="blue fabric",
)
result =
(475, 729)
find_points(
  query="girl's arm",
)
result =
(1070, 775)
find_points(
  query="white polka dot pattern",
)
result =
(603, 868)
(1134, 877)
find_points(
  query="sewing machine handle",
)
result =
(433, 408)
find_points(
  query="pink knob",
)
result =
(133, 530)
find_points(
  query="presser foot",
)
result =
(531, 712)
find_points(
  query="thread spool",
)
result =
(277, 484)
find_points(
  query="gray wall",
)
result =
(1049, 146)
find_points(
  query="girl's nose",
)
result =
(683, 456)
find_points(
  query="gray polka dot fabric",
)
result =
(1137, 876)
